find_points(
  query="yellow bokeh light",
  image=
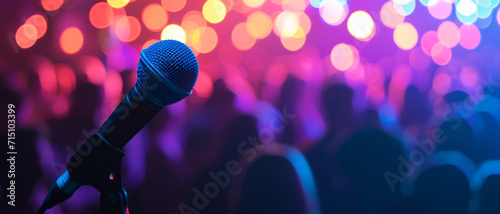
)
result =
(214, 11)
(241, 38)
(286, 24)
(174, 32)
(204, 39)
(118, 3)
(405, 36)
(259, 24)
(254, 3)
(190, 27)
(295, 42)
(360, 25)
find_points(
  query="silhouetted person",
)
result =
(456, 97)
(85, 102)
(489, 195)
(337, 107)
(214, 118)
(364, 160)
(198, 142)
(239, 130)
(290, 94)
(161, 187)
(371, 119)
(441, 190)
(456, 135)
(271, 186)
(486, 135)
(458, 104)
(338, 114)
(415, 110)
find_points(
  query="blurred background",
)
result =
(320, 106)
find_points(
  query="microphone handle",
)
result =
(131, 115)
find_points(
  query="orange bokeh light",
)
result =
(101, 15)
(51, 5)
(127, 28)
(241, 38)
(149, 43)
(39, 22)
(154, 17)
(26, 36)
(195, 17)
(259, 24)
(305, 23)
(71, 40)
(294, 43)
(204, 39)
(173, 5)
(229, 4)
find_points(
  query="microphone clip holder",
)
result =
(98, 163)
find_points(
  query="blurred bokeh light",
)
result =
(71, 40)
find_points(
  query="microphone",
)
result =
(166, 74)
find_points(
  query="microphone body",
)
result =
(133, 113)
(166, 74)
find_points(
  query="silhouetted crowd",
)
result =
(211, 157)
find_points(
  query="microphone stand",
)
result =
(114, 198)
(107, 178)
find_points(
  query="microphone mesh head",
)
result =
(167, 71)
